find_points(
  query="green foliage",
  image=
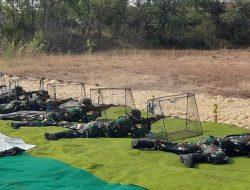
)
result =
(66, 24)
(8, 48)
(237, 25)
(18, 48)
(89, 45)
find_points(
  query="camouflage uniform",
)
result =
(18, 92)
(11, 94)
(209, 150)
(121, 127)
(51, 118)
(236, 145)
(69, 114)
(10, 152)
(36, 103)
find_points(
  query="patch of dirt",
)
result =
(223, 72)
(217, 77)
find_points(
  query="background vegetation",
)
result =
(77, 26)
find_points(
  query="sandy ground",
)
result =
(234, 111)
(222, 72)
(217, 77)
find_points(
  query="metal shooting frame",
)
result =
(188, 118)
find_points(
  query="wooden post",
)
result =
(215, 113)
(42, 83)
(152, 106)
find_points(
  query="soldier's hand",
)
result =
(159, 116)
(97, 113)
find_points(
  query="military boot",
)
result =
(142, 143)
(49, 136)
(187, 160)
(16, 125)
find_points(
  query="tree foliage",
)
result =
(76, 25)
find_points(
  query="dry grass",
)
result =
(224, 72)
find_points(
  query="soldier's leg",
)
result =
(21, 115)
(179, 148)
(17, 125)
(68, 125)
(190, 159)
(143, 143)
(248, 149)
(237, 135)
(11, 116)
(10, 152)
(3, 108)
(237, 145)
(64, 134)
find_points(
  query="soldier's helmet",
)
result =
(67, 116)
(87, 102)
(43, 95)
(18, 90)
(135, 113)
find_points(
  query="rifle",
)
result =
(38, 92)
(97, 108)
(149, 120)
(57, 103)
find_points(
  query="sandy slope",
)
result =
(217, 72)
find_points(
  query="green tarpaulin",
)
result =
(31, 173)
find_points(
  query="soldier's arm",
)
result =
(140, 132)
(151, 120)
(30, 93)
(91, 117)
(64, 101)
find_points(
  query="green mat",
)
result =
(113, 160)
(27, 172)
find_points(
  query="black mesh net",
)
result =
(121, 98)
(64, 90)
(31, 84)
(2, 80)
(13, 82)
(181, 117)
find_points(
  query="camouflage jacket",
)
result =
(213, 147)
(34, 103)
(69, 115)
(121, 127)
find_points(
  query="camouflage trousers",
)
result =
(88, 130)
(10, 152)
(70, 134)
(87, 133)
(181, 148)
(237, 145)
(22, 115)
(18, 124)
(194, 151)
